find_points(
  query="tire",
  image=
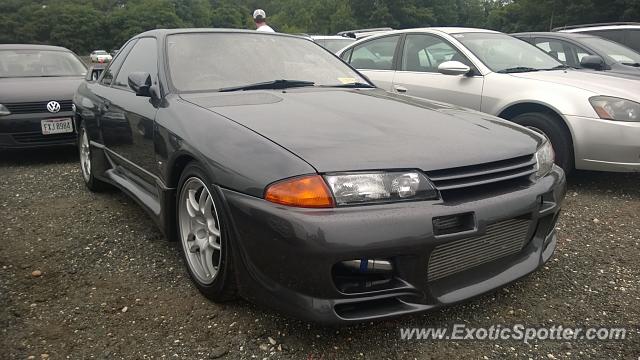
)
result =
(204, 236)
(86, 160)
(553, 129)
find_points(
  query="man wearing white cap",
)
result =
(260, 18)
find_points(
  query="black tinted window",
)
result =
(142, 58)
(377, 54)
(615, 35)
(114, 65)
(633, 39)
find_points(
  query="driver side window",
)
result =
(142, 58)
(111, 70)
(424, 53)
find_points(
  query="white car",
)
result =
(100, 56)
(592, 119)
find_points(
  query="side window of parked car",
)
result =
(142, 58)
(564, 51)
(633, 39)
(111, 70)
(377, 54)
(424, 53)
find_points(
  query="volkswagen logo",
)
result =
(53, 106)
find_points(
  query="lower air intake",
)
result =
(501, 239)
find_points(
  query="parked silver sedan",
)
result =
(592, 120)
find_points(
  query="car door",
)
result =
(376, 59)
(418, 73)
(127, 120)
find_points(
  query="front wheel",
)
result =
(84, 148)
(552, 128)
(205, 239)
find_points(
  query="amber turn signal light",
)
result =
(305, 191)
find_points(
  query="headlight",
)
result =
(375, 187)
(4, 110)
(544, 159)
(611, 108)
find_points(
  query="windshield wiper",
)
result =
(352, 85)
(274, 84)
(559, 67)
(517, 69)
(631, 64)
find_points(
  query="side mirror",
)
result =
(140, 83)
(453, 68)
(594, 62)
(94, 73)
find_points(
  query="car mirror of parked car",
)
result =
(140, 83)
(94, 73)
(592, 62)
(453, 68)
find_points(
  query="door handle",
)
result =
(400, 89)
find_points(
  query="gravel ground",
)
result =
(109, 286)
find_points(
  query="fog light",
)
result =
(370, 266)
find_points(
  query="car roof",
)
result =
(32, 47)
(330, 37)
(167, 32)
(445, 30)
(565, 35)
(594, 27)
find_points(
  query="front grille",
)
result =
(474, 175)
(36, 107)
(501, 239)
(38, 138)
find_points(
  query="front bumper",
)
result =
(287, 255)
(605, 145)
(19, 131)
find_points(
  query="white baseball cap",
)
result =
(259, 14)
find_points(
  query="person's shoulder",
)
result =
(266, 28)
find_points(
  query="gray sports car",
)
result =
(289, 179)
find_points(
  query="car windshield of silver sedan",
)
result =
(39, 63)
(505, 54)
(247, 61)
(615, 51)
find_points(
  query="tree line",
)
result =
(85, 25)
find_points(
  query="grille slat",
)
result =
(36, 137)
(501, 239)
(465, 247)
(482, 174)
(36, 107)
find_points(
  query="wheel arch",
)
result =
(512, 110)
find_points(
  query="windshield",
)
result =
(100, 52)
(613, 50)
(334, 45)
(500, 52)
(38, 63)
(213, 61)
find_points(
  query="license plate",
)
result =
(56, 126)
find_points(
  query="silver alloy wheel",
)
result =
(85, 155)
(200, 230)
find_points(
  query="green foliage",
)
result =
(85, 25)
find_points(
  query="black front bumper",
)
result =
(287, 255)
(20, 131)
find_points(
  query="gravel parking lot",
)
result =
(89, 276)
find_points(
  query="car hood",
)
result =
(347, 130)
(32, 89)
(595, 82)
